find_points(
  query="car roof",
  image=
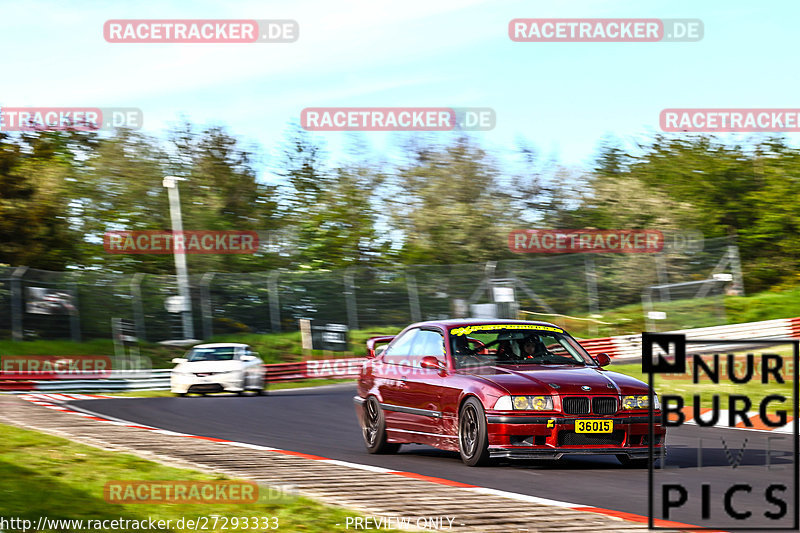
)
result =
(222, 345)
(456, 322)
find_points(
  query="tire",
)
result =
(473, 438)
(374, 430)
(180, 394)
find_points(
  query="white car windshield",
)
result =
(211, 354)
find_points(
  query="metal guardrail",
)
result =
(159, 379)
(121, 381)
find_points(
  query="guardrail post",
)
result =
(274, 303)
(16, 303)
(206, 310)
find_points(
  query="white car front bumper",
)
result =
(182, 383)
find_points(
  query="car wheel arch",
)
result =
(466, 397)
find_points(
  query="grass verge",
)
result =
(43, 475)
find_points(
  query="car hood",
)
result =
(208, 366)
(530, 379)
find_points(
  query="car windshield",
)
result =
(211, 354)
(515, 344)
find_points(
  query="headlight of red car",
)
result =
(639, 402)
(524, 403)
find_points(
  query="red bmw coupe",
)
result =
(501, 388)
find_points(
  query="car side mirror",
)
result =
(431, 363)
(247, 358)
(179, 360)
(603, 359)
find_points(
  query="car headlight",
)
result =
(524, 403)
(640, 402)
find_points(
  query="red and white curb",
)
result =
(53, 401)
(755, 418)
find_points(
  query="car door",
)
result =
(395, 362)
(422, 389)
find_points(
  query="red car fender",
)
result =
(484, 393)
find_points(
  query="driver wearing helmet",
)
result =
(532, 347)
(462, 353)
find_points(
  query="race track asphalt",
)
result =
(322, 422)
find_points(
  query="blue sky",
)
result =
(564, 98)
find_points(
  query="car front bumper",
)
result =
(536, 436)
(188, 383)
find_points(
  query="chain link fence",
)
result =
(81, 304)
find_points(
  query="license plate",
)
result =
(594, 426)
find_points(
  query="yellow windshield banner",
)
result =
(466, 330)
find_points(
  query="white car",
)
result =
(220, 367)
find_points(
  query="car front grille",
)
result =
(604, 405)
(570, 438)
(575, 405)
(579, 405)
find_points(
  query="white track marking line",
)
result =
(251, 446)
(359, 466)
(522, 497)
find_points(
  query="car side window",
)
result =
(427, 343)
(400, 351)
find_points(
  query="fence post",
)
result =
(591, 289)
(647, 305)
(16, 303)
(736, 268)
(413, 297)
(138, 309)
(74, 316)
(663, 280)
(206, 309)
(350, 299)
(274, 303)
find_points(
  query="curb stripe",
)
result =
(641, 519)
(437, 480)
